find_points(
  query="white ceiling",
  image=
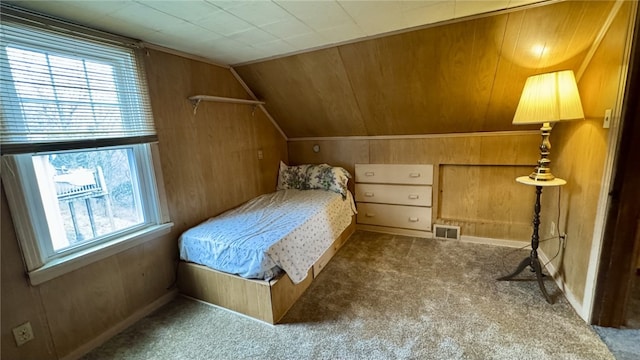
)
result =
(240, 31)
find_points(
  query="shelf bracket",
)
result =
(196, 99)
(195, 103)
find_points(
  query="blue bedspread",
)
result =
(287, 229)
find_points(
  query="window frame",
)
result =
(142, 174)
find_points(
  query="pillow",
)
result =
(292, 177)
(329, 178)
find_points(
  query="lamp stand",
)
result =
(532, 260)
(543, 171)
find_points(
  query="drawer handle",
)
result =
(413, 219)
(369, 173)
(369, 215)
(368, 194)
(413, 196)
(414, 175)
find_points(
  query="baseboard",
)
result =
(395, 231)
(495, 242)
(554, 273)
(119, 327)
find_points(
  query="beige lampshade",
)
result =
(548, 98)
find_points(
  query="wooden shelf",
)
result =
(196, 99)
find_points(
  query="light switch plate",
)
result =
(607, 119)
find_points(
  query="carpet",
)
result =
(625, 343)
(382, 297)
(633, 307)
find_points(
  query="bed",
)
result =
(258, 258)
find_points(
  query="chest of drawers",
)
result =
(394, 198)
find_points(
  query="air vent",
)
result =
(446, 232)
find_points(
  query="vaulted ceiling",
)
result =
(459, 77)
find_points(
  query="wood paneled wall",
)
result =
(209, 163)
(455, 78)
(579, 152)
(481, 159)
(485, 200)
(19, 301)
(210, 159)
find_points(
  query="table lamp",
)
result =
(546, 99)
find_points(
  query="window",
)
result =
(77, 137)
(55, 90)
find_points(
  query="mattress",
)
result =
(286, 230)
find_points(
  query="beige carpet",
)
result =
(382, 297)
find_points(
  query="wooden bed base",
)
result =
(268, 301)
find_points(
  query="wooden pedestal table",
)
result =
(532, 261)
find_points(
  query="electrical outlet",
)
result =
(607, 119)
(260, 155)
(553, 228)
(23, 333)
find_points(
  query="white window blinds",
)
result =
(60, 91)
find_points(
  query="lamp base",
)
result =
(542, 172)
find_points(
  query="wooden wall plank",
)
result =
(345, 154)
(466, 201)
(436, 80)
(80, 306)
(307, 93)
(77, 313)
(20, 301)
(579, 152)
(147, 274)
(599, 86)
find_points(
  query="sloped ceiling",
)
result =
(459, 77)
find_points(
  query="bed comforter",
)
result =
(287, 230)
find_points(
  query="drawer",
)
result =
(416, 174)
(400, 216)
(394, 194)
(324, 259)
(327, 256)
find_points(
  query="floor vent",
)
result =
(447, 232)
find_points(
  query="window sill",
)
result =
(64, 265)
